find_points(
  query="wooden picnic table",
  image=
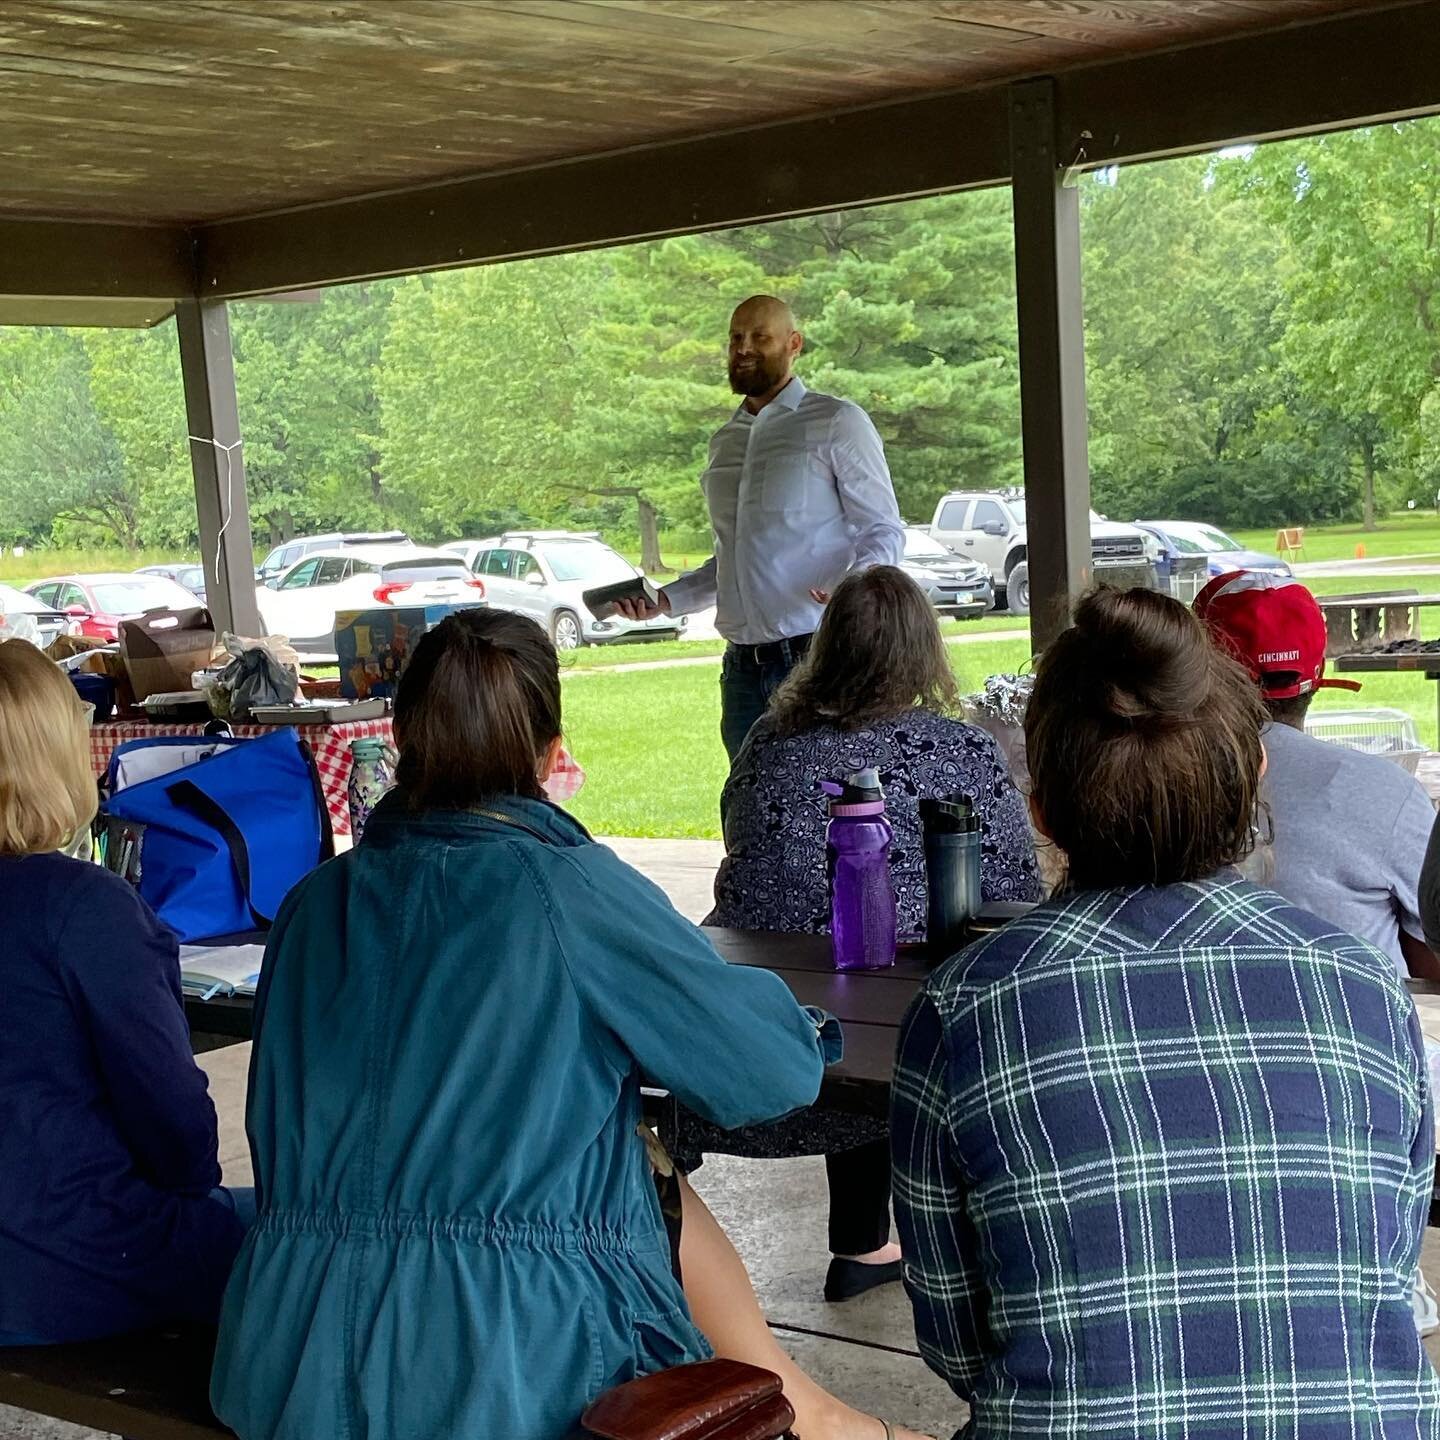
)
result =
(1412, 662)
(870, 1004)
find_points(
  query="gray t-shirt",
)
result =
(1350, 836)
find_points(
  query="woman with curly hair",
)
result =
(875, 689)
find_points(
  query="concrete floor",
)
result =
(773, 1210)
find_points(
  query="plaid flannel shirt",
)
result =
(1163, 1159)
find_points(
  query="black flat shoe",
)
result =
(846, 1279)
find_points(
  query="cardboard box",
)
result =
(164, 648)
(375, 646)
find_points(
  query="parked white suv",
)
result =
(989, 526)
(303, 602)
(282, 557)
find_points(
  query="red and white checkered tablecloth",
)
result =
(330, 744)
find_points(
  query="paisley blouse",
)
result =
(773, 875)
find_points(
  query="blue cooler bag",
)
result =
(215, 845)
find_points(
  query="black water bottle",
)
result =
(952, 869)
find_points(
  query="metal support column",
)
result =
(207, 366)
(1052, 361)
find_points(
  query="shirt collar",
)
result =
(790, 398)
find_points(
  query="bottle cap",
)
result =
(863, 785)
(949, 815)
(860, 794)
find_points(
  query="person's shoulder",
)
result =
(90, 906)
(958, 732)
(1295, 755)
(736, 419)
(38, 890)
(1041, 937)
(838, 409)
(83, 883)
(558, 871)
(949, 736)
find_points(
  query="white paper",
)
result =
(220, 969)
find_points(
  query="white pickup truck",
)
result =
(989, 525)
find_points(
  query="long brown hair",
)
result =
(877, 654)
(1144, 744)
(476, 710)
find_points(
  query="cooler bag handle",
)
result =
(187, 795)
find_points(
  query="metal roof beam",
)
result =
(879, 153)
(65, 272)
(1382, 63)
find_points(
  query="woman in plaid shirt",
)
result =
(1163, 1148)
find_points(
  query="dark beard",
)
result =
(765, 376)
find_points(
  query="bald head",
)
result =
(763, 345)
(767, 310)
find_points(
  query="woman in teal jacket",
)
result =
(458, 1233)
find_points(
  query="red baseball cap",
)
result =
(1273, 626)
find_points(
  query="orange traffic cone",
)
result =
(1360, 552)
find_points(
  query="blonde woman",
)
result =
(110, 1215)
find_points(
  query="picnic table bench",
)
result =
(148, 1386)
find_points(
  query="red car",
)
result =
(101, 602)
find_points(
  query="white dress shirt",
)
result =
(799, 495)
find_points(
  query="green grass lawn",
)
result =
(650, 742)
(607, 657)
(1371, 584)
(21, 570)
(1414, 532)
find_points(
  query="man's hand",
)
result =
(819, 596)
(639, 608)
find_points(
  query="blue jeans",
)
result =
(746, 686)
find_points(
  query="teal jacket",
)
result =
(458, 1234)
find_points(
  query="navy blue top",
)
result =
(108, 1146)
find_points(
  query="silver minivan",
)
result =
(544, 574)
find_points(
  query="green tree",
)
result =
(479, 383)
(1194, 412)
(308, 388)
(522, 391)
(909, 310)
(1361, 211)
(58, 458)
(135, 381)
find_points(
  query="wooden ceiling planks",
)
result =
(191, 110)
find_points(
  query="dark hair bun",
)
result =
(1144, 744)
(1151, 656)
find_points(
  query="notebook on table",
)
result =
(210, 970)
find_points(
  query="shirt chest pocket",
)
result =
(792, 480)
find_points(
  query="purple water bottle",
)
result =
(857, 852)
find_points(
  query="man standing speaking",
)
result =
(799, 495)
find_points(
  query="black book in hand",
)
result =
(602, 601)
